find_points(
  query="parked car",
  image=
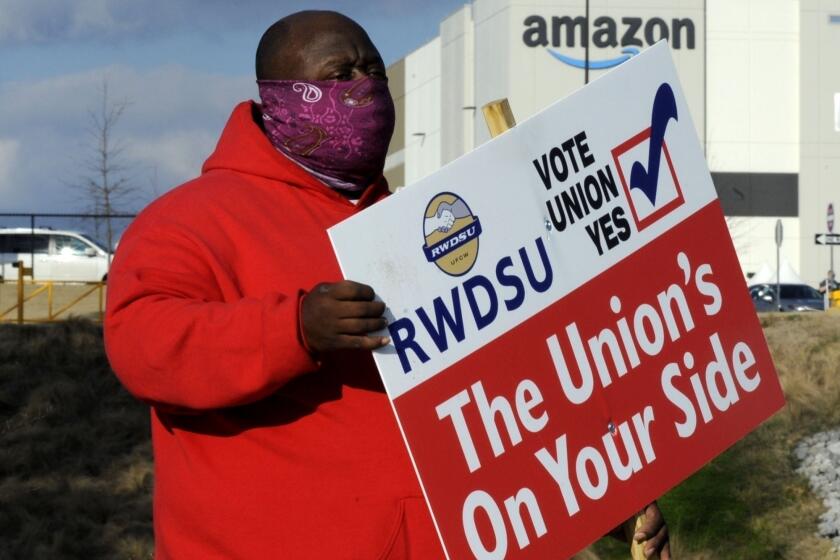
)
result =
(795, 297)
(58, 255)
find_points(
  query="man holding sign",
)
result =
(273, 436)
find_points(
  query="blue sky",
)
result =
(180, 64)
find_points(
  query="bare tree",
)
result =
(106, 186)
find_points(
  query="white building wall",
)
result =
(754, 239)
(422, 111)
(493, 48)
(753, 93)
(753, 109)
(458, 109)
(819, 179)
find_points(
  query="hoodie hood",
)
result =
(244, 148)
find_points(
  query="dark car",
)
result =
(795, 297)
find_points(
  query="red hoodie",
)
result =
(260, 452)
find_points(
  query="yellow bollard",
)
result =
(22, 271)
(834, 299)
(499, 118)
(20, 293)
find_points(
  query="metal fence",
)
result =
(39, 298)
(32, 301)
(88, 224)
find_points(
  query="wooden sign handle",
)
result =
(499, 118)
(631, 527)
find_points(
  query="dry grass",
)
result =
(806, 349)
(75, 462)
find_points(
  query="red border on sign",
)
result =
(659, 212)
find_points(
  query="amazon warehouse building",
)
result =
(762, 80)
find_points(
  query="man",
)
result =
(272, 435)
(829, 281)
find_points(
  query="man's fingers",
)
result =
(656, 543)
(652, 524)
(665, 554)
(361, 326)
(654, 532)
(361, 342)
(341, 315)
(359, 309)
(347, 290)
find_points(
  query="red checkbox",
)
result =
(659, 211)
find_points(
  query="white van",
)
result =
(59, 255)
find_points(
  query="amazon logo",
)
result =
(559, 34)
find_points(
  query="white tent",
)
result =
(767, 275)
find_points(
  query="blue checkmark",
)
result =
(664, 109)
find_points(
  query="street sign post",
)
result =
(830, 239)
(571, 335)
(779, 238)
(830, 226)
(827, 238)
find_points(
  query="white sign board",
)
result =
(551, 297)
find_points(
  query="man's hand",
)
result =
(339, 316)
(654, 533)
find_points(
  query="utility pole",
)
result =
(586, 46)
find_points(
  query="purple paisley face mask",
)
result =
(337, 130)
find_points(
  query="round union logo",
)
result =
(451, 232)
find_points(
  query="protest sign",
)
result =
(571, 332)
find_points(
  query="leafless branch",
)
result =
(106, 187)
